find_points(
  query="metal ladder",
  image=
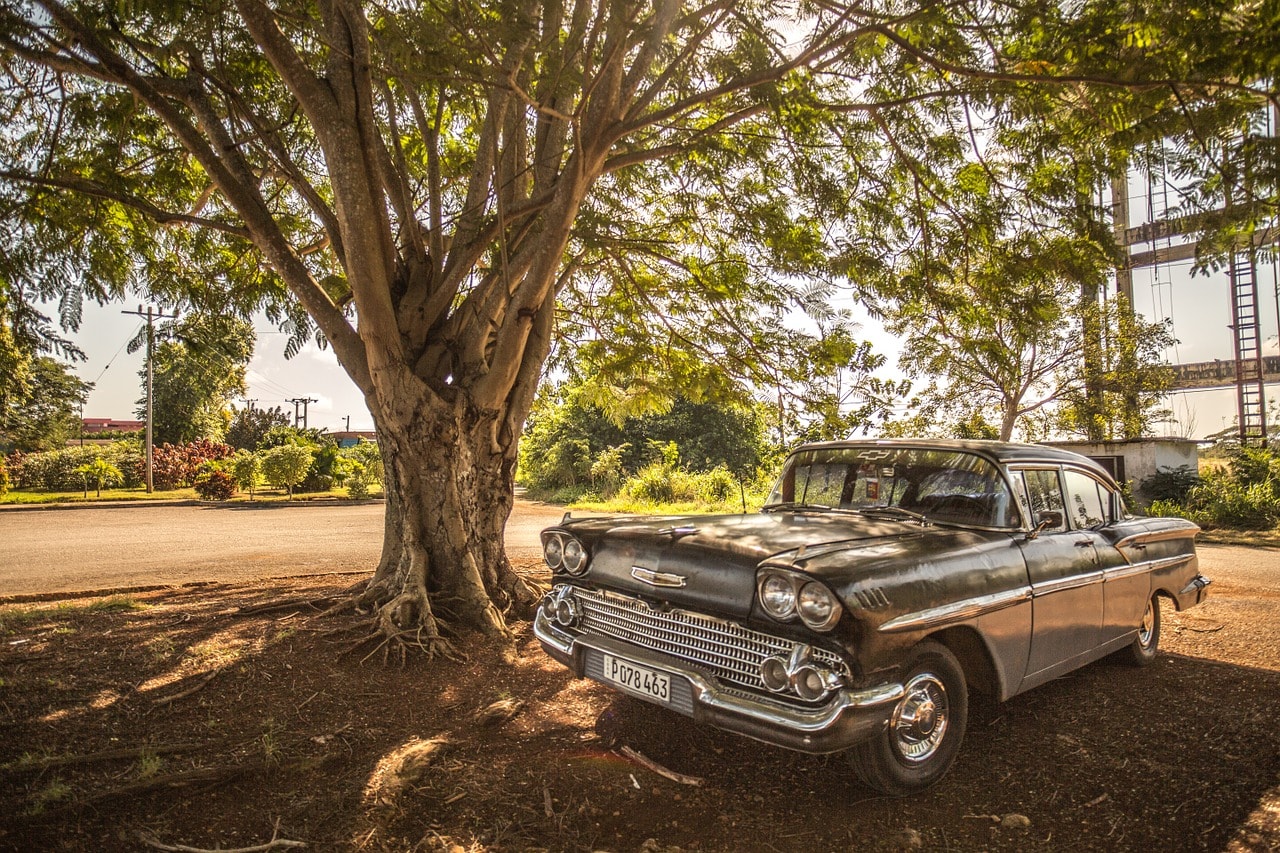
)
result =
(1250, 396)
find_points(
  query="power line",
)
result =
(132, 335)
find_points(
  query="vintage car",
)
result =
(879, 584)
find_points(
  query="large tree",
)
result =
(420, 182)
(198, 370)
(46, 411)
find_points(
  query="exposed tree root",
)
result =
(289, 604)
(275, 843)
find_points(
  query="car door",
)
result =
(1066, 581)
(1093, 508)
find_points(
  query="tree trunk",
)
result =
(443, 561)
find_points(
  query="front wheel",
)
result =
(1142, 650)
(924, 734)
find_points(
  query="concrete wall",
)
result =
(1141, 458)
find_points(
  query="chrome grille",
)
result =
(726, 650)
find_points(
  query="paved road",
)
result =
(75, 549)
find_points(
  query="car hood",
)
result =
(709, 563)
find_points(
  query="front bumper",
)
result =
(848, 718)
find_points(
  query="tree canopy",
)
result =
(46, 411)
(198, 370)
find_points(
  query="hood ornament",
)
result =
(662, 579)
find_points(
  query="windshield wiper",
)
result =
(893, 512)
(792, 505)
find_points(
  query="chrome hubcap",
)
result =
(1148, 628)
(920, 721)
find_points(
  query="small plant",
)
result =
(4, 478)
(357, 482)
(214, 484)
(55, 792)
(148, 765)
(99, 471)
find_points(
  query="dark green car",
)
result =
(881, 582)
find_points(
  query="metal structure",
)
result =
(1250, 370)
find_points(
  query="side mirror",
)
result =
(1048, 520)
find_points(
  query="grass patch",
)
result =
(261, 496)
(14, 617)
(53, 793)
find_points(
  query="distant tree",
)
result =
(45, 413)
(286, 466)
(248, 426)
(568, 433)
(198, 372)
(1132, 382)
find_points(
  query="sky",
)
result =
(272, 379)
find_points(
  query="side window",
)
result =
(1085, 498)
(1044, 495)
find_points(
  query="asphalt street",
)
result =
(45, 551)
(80, 548)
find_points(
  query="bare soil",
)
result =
(190, 716)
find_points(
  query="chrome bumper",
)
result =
(849, 717)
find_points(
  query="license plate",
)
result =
(638, 679)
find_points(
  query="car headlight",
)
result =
(784, 595)
(817, 606)
(564, 552)
(553, 551)
(778, 596)
(575, 556)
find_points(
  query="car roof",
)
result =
(1003, 452)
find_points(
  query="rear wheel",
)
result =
(924, 734)
(1142, 650)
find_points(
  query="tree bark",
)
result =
(443, 561)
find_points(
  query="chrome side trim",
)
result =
(1118, 572)
(1146, 537)
(957, 611)
(1064, 584)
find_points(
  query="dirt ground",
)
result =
(194, 718)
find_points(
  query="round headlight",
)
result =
(817, 606)
(575, 556)
(778, 597)
(553, 551)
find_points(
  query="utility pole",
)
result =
(348, 427)
(250, 402)
(150, 315)
(300, 422)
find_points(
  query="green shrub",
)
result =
(358, 484)
(1169, 484)
(1222, 501)
(100, 472)
(246, 468)
(4, 478)
(717, 486)
(286, 466)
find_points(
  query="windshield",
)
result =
(940, 485)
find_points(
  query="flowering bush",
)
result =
(174, 466)
(214, 484)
